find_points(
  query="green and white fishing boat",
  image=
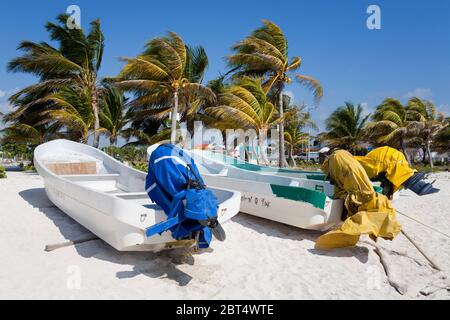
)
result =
(239, 163)
(300, 202)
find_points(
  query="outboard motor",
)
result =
(418, 186)
(174, 183)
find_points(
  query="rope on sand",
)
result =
(423, 224)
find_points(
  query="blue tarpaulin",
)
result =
(174, 183)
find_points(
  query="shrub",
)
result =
(2, 172)
(141, 166)
(29, 167)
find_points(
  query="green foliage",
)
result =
(438, 167)
(141, 166)
(416, 124)
(2, 172)
(65, 72)
(346, 127)
(113, 115)
(264, 54)
(305, 165)
(441, 142)
(128, 153)
(165, 78)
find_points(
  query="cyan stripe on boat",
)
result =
(316, 198)
(241, 164)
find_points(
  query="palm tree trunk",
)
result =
(291, 157)
(261, 139)
(246, 153)
(112, 143)
(281, 157)
(96, 118)
(173, 130)
(429, 154)
(402, 146)
(255, 151)
(424, 156)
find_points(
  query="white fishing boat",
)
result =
(108, 197)
(300, 202)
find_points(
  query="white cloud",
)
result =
(2, 93)
(423, 93)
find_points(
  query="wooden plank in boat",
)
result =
(69, 168)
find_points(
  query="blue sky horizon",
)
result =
(409, 55)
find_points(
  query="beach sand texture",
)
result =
(259, 260)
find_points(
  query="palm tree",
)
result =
(158, 76)
(265, 53)
(345, 127)
(113, 117)
(26, 127)
(246, 105)
(393, 124)
(21, 133)
(74, 63)
(294, 136)
(196, 64)
(71, 108)
(441, 141)
(430, 122)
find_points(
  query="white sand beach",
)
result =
(259, 260)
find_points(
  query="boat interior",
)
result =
(94, 173)
(108, 177)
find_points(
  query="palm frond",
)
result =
(311, 84)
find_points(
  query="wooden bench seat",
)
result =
(72, 168)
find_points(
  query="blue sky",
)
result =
(409, 55)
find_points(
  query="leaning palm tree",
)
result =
(75, 63)
(113, 116)
(246, 105)
(265, 53)
(393, 124)
(345, 127)
(72, 109)
(158, 77)
(430, 121)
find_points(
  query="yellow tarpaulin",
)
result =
(368, 212)
(390, 161)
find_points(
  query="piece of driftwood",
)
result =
(431, 261)
(402, 289)
(51, 247)
(443, 283)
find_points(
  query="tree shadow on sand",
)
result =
(280, 230)
(154, 265)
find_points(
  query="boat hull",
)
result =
(112, 204)
(258, 199)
